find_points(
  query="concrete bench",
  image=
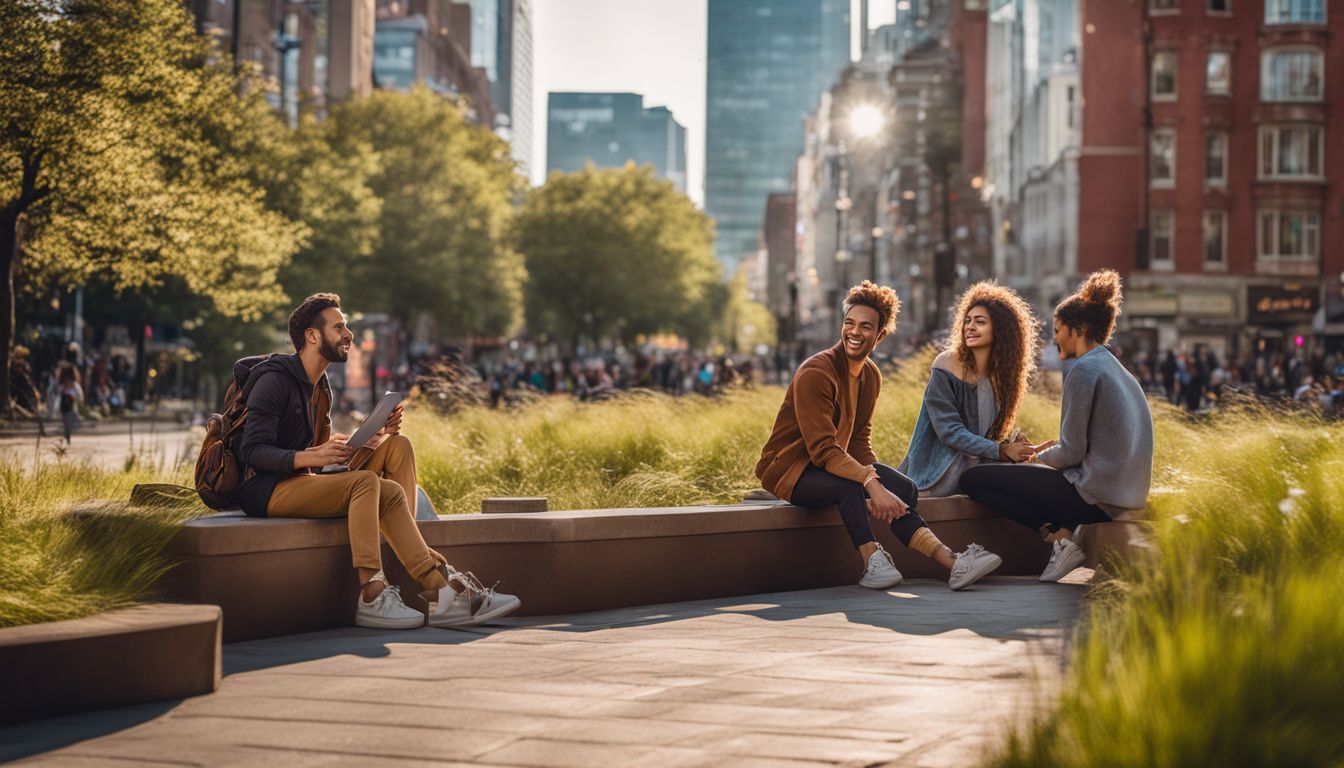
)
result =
(275, 577)
(136, 655)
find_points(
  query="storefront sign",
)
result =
(1208, 304)
(1147, 304)
(1291, 303)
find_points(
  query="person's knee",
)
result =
(972, 481)
(365, 481)
(390, 494)
(400, 445)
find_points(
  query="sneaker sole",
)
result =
(370, 622)
(984, 567)
(1069, 566)
(471, 621)
(882, 584)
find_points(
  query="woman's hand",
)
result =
(1015, 452)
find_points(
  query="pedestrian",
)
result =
(70, 396)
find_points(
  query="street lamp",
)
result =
(872, 264)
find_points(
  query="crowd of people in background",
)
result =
(66, 387)
(1200, 379)
(598, 378)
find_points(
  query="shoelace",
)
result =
(974, 550)
(390, 592)
(469, 580)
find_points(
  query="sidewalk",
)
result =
(918, 676)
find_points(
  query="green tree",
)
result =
(445, 190)
(128, 150)
(746, 324)
(616, 253)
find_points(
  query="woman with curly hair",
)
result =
(1101, 467)
(974, 391)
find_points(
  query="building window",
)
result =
(1215, 239)
(1215, 159)
(1218, 72)
(1162, 243)
(1220, 6)
(1164, 6)
(1164, 75)
(1294, 11)
(1292, 75)
(1289, 235)
(1291, 151)
(1163, 158)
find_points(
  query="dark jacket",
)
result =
(817, 424)
(280, 422)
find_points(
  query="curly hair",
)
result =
(881, 298)
(1094, 307)
(308, 314)
(1012, 352)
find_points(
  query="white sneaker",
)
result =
(388, 610)
(973, 565)
(881, 573)
(1065, 558)
(475, 604)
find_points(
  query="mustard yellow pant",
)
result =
(375, 498)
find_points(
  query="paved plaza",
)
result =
(916, 676)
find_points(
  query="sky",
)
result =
(652, 47)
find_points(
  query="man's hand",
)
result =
(883, 504)
(334, 451)
(1016, 452)
(1043, 446)
(393, 425)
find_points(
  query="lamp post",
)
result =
(865, 121)
(872, 255)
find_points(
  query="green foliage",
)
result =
(746, 323)
(141, 150)
(420, 226)
(633, 256)
(1222, 647)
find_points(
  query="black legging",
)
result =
(1034, 495)
(819, 488)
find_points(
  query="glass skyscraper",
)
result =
(611, 129)
(501, 43)
(769, 62)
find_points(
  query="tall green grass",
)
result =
(68, 550)
(1225, 644)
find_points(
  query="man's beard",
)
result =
(331, 352)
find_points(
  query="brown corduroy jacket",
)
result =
(818, 424)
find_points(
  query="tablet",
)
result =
(369, 428)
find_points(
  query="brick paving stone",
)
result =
(835, 677)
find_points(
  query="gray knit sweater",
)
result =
(1105, 435)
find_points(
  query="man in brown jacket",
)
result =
(820, 453)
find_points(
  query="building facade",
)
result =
(1188, 144)
(768, 63)
(429, 42)
(313, 53)
(501, 44)
(609, 130)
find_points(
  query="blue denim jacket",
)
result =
(947, 424)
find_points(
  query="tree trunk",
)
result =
(9, 244)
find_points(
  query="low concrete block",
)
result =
(502, 504)
(274, 577)
(136, 655)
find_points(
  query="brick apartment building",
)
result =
(1210, 169)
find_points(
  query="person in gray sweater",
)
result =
(1101, 467)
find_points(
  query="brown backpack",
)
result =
(218, 471)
